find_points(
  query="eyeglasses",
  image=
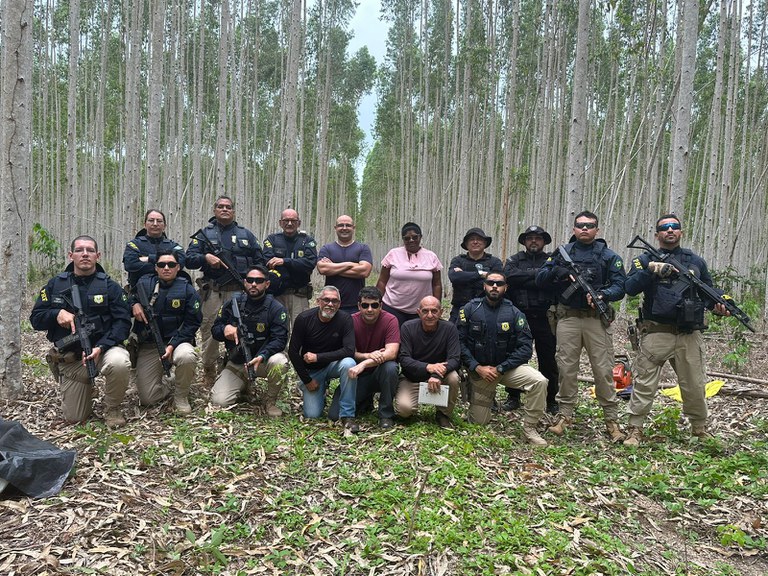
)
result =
(289, 221)
(224, 206)
(345, 225)
(668, 226)
(430, 311)
(366, 305)
(253, 280)
(167, 264)
(587, 225)
(330, 300)
(155, 221)
(498, 283)
(411, 238)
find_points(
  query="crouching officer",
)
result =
(175, 308)
(496, 345)
(105, 317)
(266, 324)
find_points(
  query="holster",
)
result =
(552, 318)
(132, 346)
(203, 288)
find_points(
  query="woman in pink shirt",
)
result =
(408, 274)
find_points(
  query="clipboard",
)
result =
(433, 398)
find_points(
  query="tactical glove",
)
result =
(661, 269)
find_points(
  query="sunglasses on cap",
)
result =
(166, 264)
(668, 226)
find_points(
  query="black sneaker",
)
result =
(512, 403)
(444, 421)
(351, 425)
(386, 423)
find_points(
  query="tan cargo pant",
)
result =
(294, 304)
(407, 399)
(233, 380)
(77, 392)
(149, 372)
(524, 378)
(209, 349)
(685, 353)
(574, 333)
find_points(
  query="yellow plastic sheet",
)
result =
(711, 388)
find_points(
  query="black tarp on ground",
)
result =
(33, 466)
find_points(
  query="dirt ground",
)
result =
(92, 528)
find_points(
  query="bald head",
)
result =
(430, 311)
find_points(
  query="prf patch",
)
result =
(43, 295)
(505, 326)
(637, 264)
(175, 303)
(462, 316)
(260, 327)
(267, 243)
(132, 245)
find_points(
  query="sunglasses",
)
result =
(366, 305)
(668, 226)
(587, 225)
(498, 283)
(252, 280)
(330, 300)
(167, 264)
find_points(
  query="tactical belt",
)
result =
(226, 287)
(649, 327)
(577, 312)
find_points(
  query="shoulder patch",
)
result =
(268, 243)
(521, 322)
(283, 316)
(619, 263)
(197, 305)
(311, 244)
(637, 264)
(43, 295)
(132, 244)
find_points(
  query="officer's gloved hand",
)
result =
(661, 269)
(560, 273)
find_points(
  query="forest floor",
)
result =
(234, 492)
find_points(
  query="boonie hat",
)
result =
(478, 232)
(535, 230)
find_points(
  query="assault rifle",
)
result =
(244, 340)
(601, 305)
(83, 331)
(219, 252)
(154, 327)
(703, 289)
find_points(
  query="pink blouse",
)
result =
(410, 277)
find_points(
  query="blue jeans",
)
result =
(383, 379)
(314, 402)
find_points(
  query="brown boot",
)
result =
(562, 422)
(270, 401)
(614, 432)
(701, 432)
(532, 435)
(209, 376)
(181, 399)
(634, 437)
(114, 418)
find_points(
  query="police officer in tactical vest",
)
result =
(496, 347)
(266, 323)
(239, 246)
(670, 325)
(176, 307)
(140, 254)
(106, 321)
(579, 324)
(520, 271)
(292, 254)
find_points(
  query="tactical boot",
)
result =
(701, 432)
(561, 424)
(532, 435)
(350, 425)
(181, 400)
(614, 432)
(270, 402)
(634, 437)
(209, 376)
(113, 418)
